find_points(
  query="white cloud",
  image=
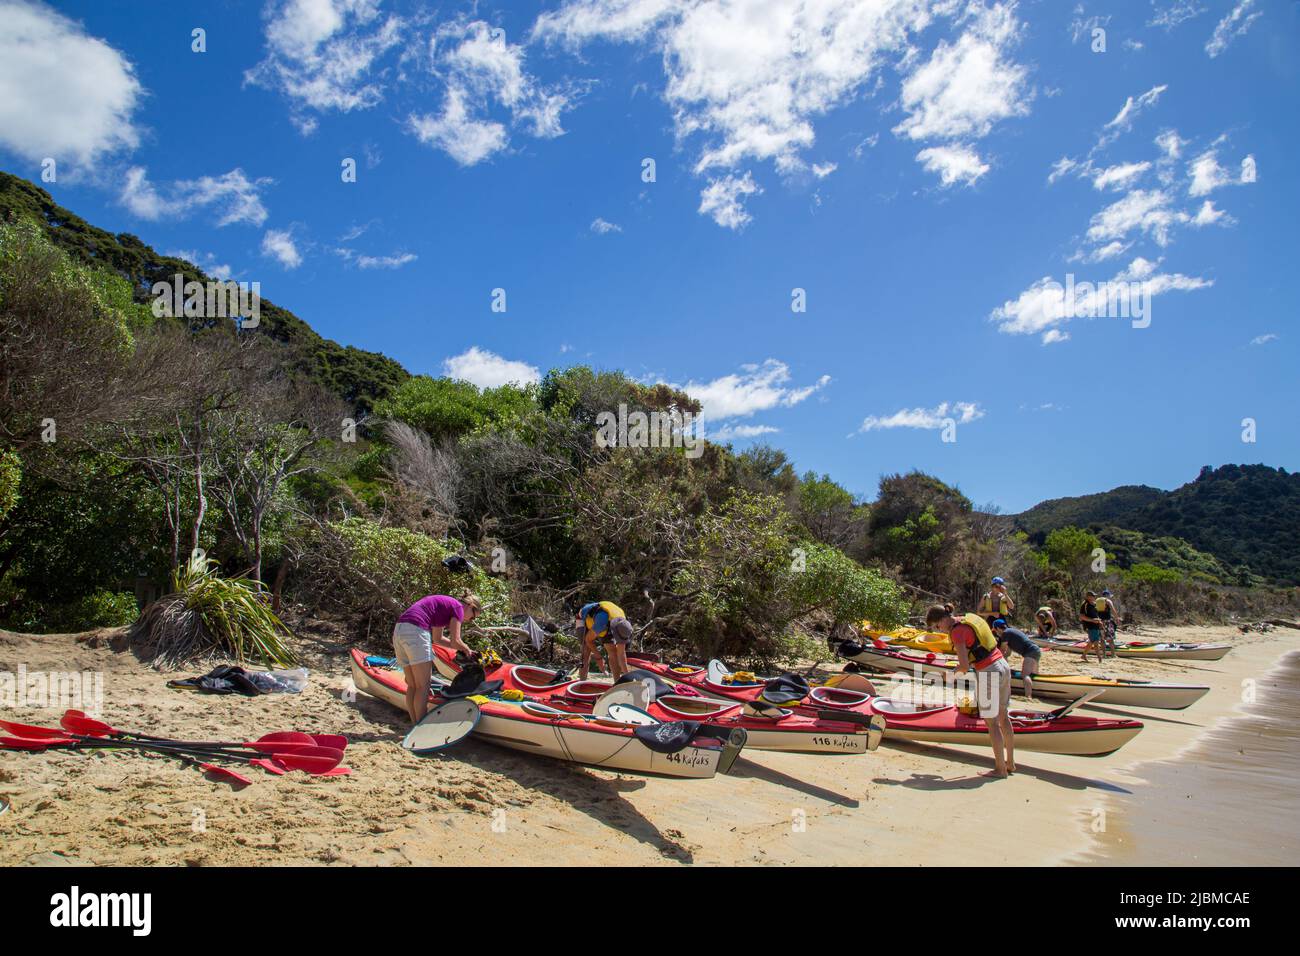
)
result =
(1128, 114)
(1177, 12)
(1208, 175)
(748, 79)
(822, 170)
(1119, 176)
(723, 200)
(953, 164)
(376, 262)
(968, 86)
(1208, 215)
(1263, 339)
(757, 388)
(1081, 26)
(1048, 304)
(235, 197)
(489, 370)
(278, 244)
(1111, 250)
(206, 261)
(63, 93)
(1146, 211)
(324, 54)
(602, 227)
(728, 432)
(961, 413)
(1235, 24)
(480, 70)
(461, 136)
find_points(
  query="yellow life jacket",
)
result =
(1101, 603)
(610, 608)
(988, 643)
(986, 606)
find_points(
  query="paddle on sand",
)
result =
(78, 722)
(313, 760)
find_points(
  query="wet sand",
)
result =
(477, 804)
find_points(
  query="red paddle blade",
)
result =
(333, 741)
(225, 773)
(26, 743)
(30, 732)
(289, 737)
(74, 721)
(314, 760)
(270, 766)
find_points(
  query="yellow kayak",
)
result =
(910, 637)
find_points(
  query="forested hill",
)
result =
(1244, 515)
(356, 376)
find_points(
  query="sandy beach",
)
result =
(903, 805)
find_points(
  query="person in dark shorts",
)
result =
(1046, 619)
(1109, 614)
(603, 624)
(1090, 618)
(1010, 639)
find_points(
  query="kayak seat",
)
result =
(835, 697)
(905, 708)
(695, 708)
(535, 678)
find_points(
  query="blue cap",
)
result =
(1106, 593)
(998, 581)
(999, 623)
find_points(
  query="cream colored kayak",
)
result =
(538, 729)
(1140, 649)
(1114, 690)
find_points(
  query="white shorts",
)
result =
(412, 644)
(993, 689)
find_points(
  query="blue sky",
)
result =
(923, 171)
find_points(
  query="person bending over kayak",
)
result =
(1109, 615)
(977, 647)
(1010, 639)
(1090, 618)
(413, 640)
(1046, 619)
(996, 603)
(604, 623)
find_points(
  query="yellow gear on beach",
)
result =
(742, 677)
(986, 606)
(477, 698)
(610, 608)
(490, 660)
(512, 694)
(913, 638)
(983, 633)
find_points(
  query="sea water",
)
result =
(1231, 799)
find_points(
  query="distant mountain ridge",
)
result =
(355, 375)
(1243, 515)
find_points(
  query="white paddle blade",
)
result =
(628, 714)
(632, 694)
(443, 726)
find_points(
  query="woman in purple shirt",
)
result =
(413, 642)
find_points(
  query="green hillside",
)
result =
(1243, 516)
(358, 377)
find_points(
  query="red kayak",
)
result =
(846, 733)
(1057, 731)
